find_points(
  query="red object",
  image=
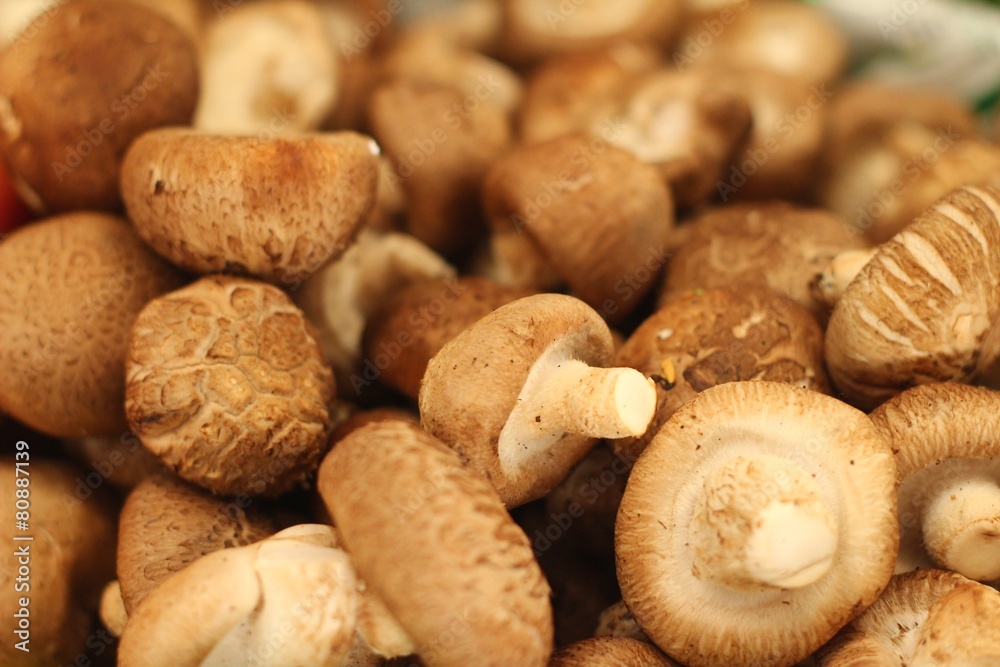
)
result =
(13, 211)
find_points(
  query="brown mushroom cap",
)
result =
(962, 629)
(705, 338)
(275, 208)
(561, 92)
(293, 594)
(782, 36)
(227, 385)
(167, 524)
(610, 652)
(70, 288)
(475, 387)
(441, 143)
(432, 538)
(598, 215)
(122, 461)
(700, 560)
(888, 631)
(403, 336)
(946, 441)
(774, 245)
(683, 122)
(122, 70)
(535, 29)
(67, 560)
(922, 310)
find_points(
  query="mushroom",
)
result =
(70, 288)
(431, 538)
(561, 93)
(290, 599)
(112, 609)
(120, 461)
(618, 621)
(758, 522)
(922, 310)
(267, 67)
(774, 245)
(591, 214)
(710, 337)
(54, 568)
(120, 68)
(403, 336)
(829, 285)
(534, 30)
(441, 142)
(276, 208)
(340, 298)
(227, 385)
(471, 24)
(890, 631)
(524, 394)
(782, 36)
(947, 451)
(681, 121)
(610, 652)
(962, 629)
(167, 524)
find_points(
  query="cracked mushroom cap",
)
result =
(516, 394)
(67, 558)
(599, 218)
(275, 208)
(682, 122)
(776, 245)
(70, 288)
(120, 68)
(167, 524)
(758, 522)
(536, 29)
(292, 597)
(403, 336)
(889, 631)
(433, 540)
(924, 308)
(711, 337)
(227, 385)
(946, 441)
(610, 652)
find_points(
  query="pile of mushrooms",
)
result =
(507, 333)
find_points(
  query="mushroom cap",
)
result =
(441, 144)
(68, 559)
(535, 29)
(962, 629)
(472, 385)
(888, 631)
(923, 308)
(70, 288)
(610, 652)
(705, 338)
(121, 68)
(432, 538)
(413, 326)
(227, 385)
(617, 621)
(291, 597)
(167, 524)
(936, 430)
(774, 245)
(122, 461)
(599, 216)
(561, 91)
(699, 622)
(275, 208)
(112, 609)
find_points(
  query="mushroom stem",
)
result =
(762, 522)
(962, 527)
(595, 402)
(839, 273)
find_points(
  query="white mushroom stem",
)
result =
(962, 527)
(840, 272)
(762, 522)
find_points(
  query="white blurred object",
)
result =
(948, 44)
